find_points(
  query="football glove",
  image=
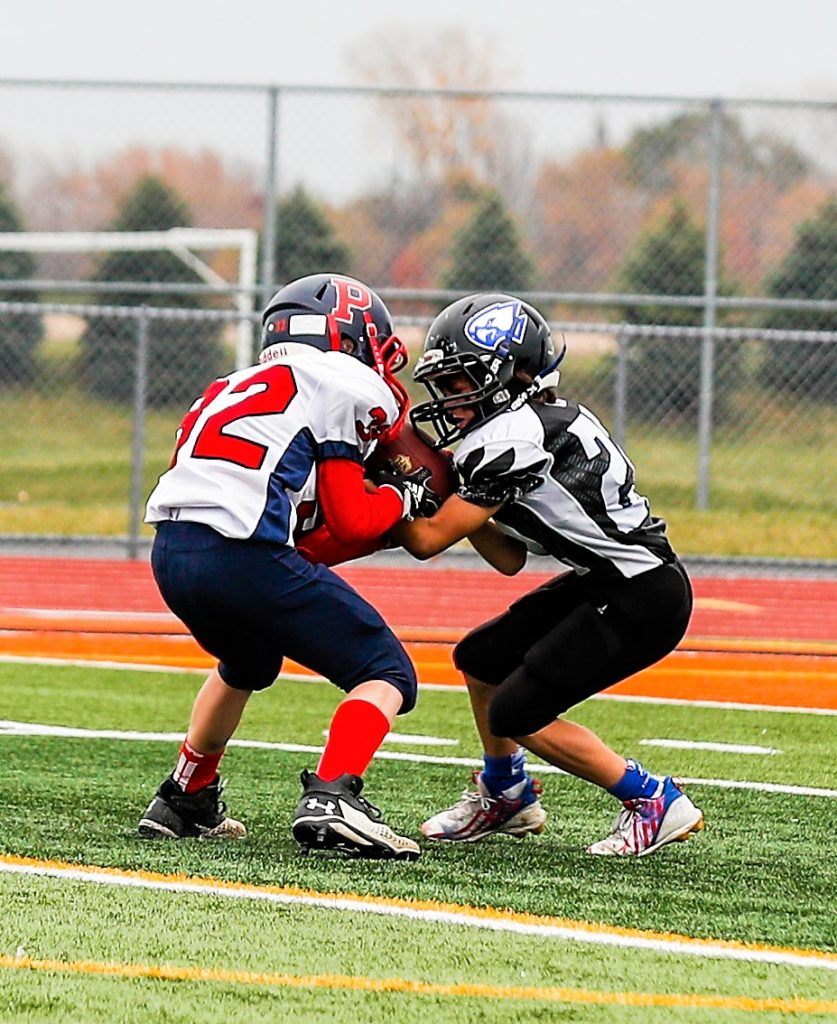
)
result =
(418, 497)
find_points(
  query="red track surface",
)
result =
(736, 608)
(775, 641)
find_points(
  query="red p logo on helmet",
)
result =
(350, 297)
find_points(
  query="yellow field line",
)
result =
(168, 972)
(432, 909)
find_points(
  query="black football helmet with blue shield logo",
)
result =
(500, 344)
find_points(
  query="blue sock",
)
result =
(502, 772)
(636, 783)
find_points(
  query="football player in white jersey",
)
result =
(539, 473)
(270, 454)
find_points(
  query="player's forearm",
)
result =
(455, 520)
(421, 537)
(503, 553)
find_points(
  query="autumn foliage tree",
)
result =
(183, 355)
(653, 153)
(443, 138)
(587, 215)
(20, 333)
(73, 196)
(765, 183)
(452, 140)
(77, 197)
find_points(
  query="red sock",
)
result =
(356, 731)
(195, 770)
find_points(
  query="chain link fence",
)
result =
(687, 247)
(581, 198)
(91, 425)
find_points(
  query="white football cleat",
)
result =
(477, 814)
(646, 824)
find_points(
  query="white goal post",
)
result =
(180, 241)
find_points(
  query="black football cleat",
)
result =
(173, 814)
(334, 816)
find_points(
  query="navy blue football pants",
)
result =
(252, 604)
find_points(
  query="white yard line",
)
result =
(469, 917)
(415, 739)
(723, 705)
(418, 740)
(22, 659)
(91, 613)
(12, 729)
(721, 748)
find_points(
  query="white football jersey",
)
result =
(246, 457)
(567, 489)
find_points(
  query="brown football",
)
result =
(410, 451)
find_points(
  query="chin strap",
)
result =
(547, 378)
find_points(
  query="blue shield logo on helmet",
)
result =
(497, 327)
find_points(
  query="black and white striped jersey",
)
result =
(567, 488)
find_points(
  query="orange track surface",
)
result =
(783, 680)
(751, 640)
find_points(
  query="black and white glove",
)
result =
(418, 497)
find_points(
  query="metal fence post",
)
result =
(270, 197)
(620, 388)
(138, 431)
(710, 292)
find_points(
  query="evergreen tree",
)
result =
(183, 356)
(305, 241)
(664, 375)
(20, 333)
(808, 271)
(487, 254)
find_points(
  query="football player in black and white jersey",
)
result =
(539, 473)
(269, 455)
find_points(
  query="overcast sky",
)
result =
(733, 48)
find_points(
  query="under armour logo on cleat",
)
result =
(313, 804)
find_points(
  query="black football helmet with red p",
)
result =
(336, 313)
(500, 345)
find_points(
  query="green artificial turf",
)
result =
(109, 925)
(761, 872)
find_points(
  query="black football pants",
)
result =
(569, 639)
